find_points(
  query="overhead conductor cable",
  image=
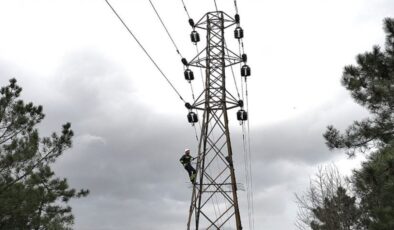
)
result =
(246, 142)
(216, 5)
(187, 12)
(146, 52)
(169, 35)
(250, 155)
(236, 6)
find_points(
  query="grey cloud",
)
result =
(301, 139)
(127, 155)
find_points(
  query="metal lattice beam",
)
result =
(214, 202)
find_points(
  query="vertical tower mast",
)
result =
(214, 202)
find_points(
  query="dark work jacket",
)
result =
(185, 160)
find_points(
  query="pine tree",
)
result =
(374, 186)
(31, 197)
(371, 83)
(327, 204)
(337, 213)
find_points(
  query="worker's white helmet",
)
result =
(187, 150)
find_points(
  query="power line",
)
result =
(169, 35)
(247, 176)
(187, 12)
(242, 46)
(250, 154)
(236, 6)
(248, 169)
(246, 144)
(216, 5)
(248, 157)
(146, 52)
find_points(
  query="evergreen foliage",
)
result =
(371, 204)
(338, 212)
(371, 84)
(31, 197)
(328, 204)
(374, 186)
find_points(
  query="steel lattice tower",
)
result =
(214, 202)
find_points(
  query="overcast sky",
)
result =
(75, 58)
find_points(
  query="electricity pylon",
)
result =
(214, 202)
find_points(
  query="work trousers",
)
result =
(189, 168)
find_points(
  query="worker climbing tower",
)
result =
(214, 202)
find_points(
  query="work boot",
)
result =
(193, 178)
